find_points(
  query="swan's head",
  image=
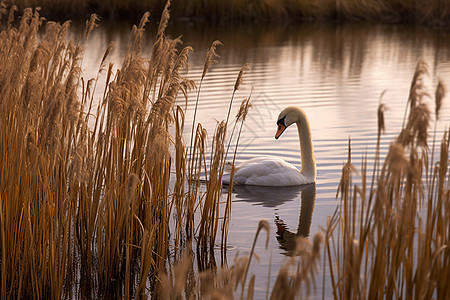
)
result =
(287, 117)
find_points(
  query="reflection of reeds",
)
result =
(395, 234)
(296, 276)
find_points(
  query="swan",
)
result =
(274, 171)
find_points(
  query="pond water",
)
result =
(335, 72)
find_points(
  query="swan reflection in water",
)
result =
(274, 196)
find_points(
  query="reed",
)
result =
(394, 234)
(240, 117)
(91, 204)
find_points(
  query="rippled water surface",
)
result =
(336, 73)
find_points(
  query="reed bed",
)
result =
(390, 239)
(85, 193)
(86, 208)
(410, 11)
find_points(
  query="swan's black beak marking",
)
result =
(281, 127)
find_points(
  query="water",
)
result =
(336, 73)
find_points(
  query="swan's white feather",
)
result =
(273, 171)
(267, 171)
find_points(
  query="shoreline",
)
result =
(234, 12)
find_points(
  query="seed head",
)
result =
(211, 56)
(240, 77)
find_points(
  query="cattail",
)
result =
(240, 77)
(440, 94)
(211, 56)
(164, 288)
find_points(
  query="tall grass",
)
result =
(91, 204)
(394, 235)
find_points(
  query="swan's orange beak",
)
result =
(280, 130)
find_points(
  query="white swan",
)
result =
(274, 171)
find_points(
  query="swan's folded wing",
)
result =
(268, 171)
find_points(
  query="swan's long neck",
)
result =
(308, 167)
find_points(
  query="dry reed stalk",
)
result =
(139, 142)
(439, 96)
(416, 129)
(261, 225)
(211, 58)
(89, 196)
(44, 210)
(389, 250)
(180, 166)
(237, 86)
(243, 111)
(94, 205)
(416, 90)
(381, 128)
(101, 69)
(240, 117)
(210, 210)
